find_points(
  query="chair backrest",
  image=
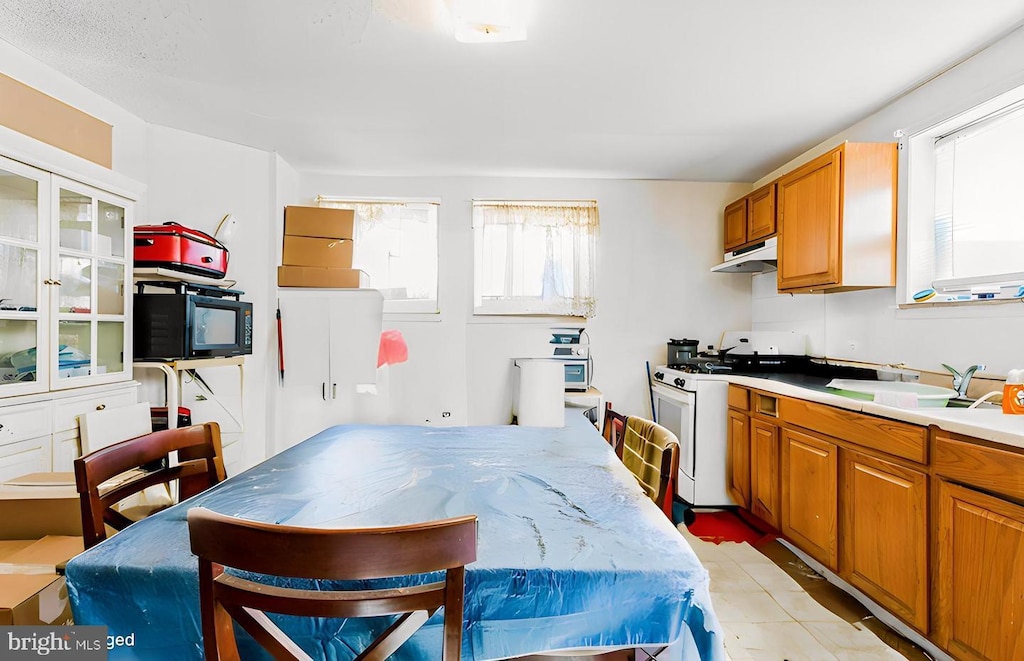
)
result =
(614, 428)
(364, 553)
(98, 429)
(199, 467)
(651, 453)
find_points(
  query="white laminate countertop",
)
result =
(989, 424)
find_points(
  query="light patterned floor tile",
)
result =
(727, 576)
(772, 578)
(803, 608)
(744, 553)
(782, 641)
(747, 607)
(843, 638)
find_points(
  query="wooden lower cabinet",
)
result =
(738, 472)
(810, 497)
(765, 498)
(979, 583)
(885, 534)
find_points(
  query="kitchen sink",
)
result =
(893, 393)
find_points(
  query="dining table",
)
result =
(571, 555)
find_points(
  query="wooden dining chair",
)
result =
(651, 453)
(200, 466)
(336, 555)
(613, 429)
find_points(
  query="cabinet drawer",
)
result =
(998, 471)
(68, 410)
(23, 421)
(890, 436)
(24, 457)
(66, 448)
(739, 398)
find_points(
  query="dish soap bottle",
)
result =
(1013, 392)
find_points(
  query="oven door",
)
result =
(674, 411)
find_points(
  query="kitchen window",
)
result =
(396, 246)
(966, 218)
(535, 257)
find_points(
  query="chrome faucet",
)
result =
(962, 381)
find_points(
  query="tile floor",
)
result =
(768, 616)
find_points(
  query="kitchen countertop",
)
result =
(988, 424)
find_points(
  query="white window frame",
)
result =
(418, 308)
(919, 252)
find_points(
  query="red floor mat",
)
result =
(726, 526)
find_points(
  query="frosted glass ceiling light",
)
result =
(489, 21)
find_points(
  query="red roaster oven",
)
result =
(181, 248)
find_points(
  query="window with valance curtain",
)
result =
(535, 257)
(396, 245)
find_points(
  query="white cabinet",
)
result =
(65, 268)
(331, 338)
(24, 457)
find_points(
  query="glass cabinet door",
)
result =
(91, 299)
(24, 217)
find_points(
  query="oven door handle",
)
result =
(684, 396)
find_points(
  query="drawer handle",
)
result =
(101, 407)
(1, 427)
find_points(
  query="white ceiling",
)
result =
(722, 90)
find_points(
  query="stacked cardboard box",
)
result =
(318, 247)
(41, 531)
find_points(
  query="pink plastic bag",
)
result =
(392, 349)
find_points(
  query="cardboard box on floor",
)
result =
(315, 276)
(40, 530)
(319, 222)
(311, 251)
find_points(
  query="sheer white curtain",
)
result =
(535, 257)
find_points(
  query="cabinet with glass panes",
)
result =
(64, 273)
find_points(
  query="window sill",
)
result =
(954, 304)
(509, 318)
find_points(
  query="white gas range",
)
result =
(691, 400)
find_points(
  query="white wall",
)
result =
(867, 325)
(658, 241)
(195, 180)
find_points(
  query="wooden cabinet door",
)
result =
(764, 473)
(809, 495)
(738, 472)
(885, 535)
(809, 231)
(980, 579)
(736, 224)
(761, 213)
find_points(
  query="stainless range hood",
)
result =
(752, 259)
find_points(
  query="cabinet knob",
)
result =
(100, 407)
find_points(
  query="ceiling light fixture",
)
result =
(489, 21)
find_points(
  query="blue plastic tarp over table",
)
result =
(570, 552)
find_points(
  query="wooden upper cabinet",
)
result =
(837, 220)
(751, 218)
(736, 224)
(761, 213)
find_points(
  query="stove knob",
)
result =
(679, 382)
(660, 376)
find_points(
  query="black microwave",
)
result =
(190, 322)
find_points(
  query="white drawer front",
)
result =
(66, 448)
(23, 421)
(68, 410)
(24, 457)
